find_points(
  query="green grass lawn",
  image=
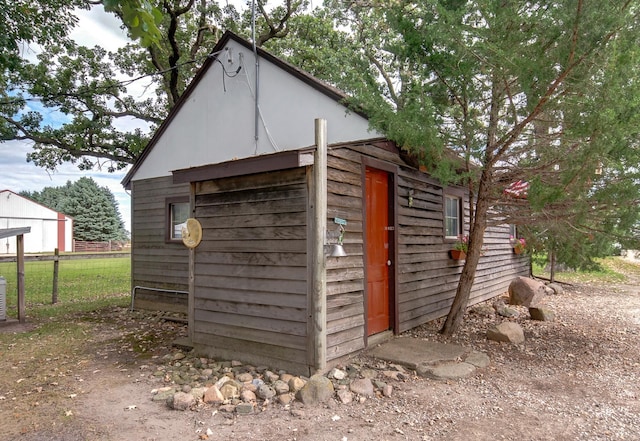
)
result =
(93, 282)
(613, 270)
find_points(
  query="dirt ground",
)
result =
(576, 378)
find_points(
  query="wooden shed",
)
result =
(262, 284)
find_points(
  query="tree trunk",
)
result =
(552, 266)
(476, 240)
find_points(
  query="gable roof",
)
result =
(320, 86)
(31, 201)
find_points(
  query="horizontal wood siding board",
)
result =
(344, 274)
(344, 160)
(264, 259)
(230, 306)
(244, 344)
(347, 323)
(253, 271)
(252, 246)
(281, 206)
(277, 162)
(287, 219)
(254, 233)
(254, 285)
(253, 195)
(346, 342)
(251, 297)
(278, 328)
(343, 287)
(349, 310)
(169, 272)
(351, 298)
(256, 181)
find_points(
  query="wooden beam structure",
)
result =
(19, 234)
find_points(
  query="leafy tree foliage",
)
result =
(84, 89)
(544, 92)
(93, 208)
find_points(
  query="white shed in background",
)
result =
(49, 229)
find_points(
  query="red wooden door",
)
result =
(377, 252)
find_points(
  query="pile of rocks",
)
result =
(527, 292)
(231, 386)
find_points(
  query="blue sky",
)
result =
(16, 174)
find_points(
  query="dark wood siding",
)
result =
(251, 272)
(154, 262)
(426, 276)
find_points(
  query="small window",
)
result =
(177, 215)
(513, 231)
(452, 218)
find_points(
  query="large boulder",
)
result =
(318, 390)
(527, 292)
(542, 314)
(509, 332)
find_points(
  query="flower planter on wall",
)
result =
(457, 254)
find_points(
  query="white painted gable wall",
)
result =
(215, 125)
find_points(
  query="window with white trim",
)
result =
(452, 216)
(177, 213)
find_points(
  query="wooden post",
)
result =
(56, 263)
(191, 308)
(20, 259)
(319, 274)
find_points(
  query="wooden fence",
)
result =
(80, 246)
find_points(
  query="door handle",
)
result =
(388, 262)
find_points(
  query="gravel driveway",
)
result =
(576, 378)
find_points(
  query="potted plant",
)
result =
(518, 245)
(459, 251)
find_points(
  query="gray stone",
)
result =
(507, 332)
(369, 373)
(164, 394)
(319, 389)
(362, 386)
(504, 311)
(244, 408)
(478, 359)
(281, 387)
(198, 392)
(542, 314)
(483, 310)
(556, 288)
(222, 381)
(265, 392)
(181, 401)
(447, 370)
(387, 390)
(271, 376)
(337, 374)
(526, 292)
